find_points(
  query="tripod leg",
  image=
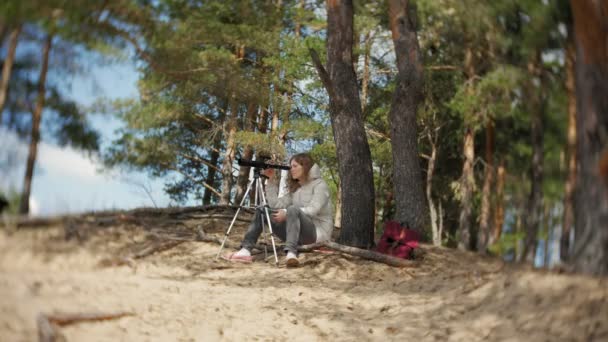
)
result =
(258, 190)
(274, 248)
(234, 219)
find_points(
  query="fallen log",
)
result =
(361, 253)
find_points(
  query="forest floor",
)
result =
(103, 264)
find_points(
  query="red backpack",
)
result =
(398, 241)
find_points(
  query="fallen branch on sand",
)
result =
(48, 325)
(361, 253)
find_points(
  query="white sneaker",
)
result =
(244, 252)
(292, 260)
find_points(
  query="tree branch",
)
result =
(323, 75)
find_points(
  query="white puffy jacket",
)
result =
(312, 198)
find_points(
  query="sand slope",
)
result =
(183, 294)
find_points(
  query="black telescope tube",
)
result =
(261, 164)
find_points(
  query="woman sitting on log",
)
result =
(302, 216)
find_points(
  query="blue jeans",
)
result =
(297, 229)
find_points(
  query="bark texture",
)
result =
(568, 222)
(591, 205)
(354, 157)
(408, 178)
(467, 180)
(467, 186)
(483, 235)
(230, 134)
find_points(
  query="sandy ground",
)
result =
(183, 294)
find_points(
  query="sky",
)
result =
(68, 181)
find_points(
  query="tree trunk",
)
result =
(483, 235)
(210, 179)
(214, 156)
(591, 206)
(354, 157)
(535, 199)
(568, 221)
(243, 180)
(366, 72)
(230, 134)
(467, 180)
(499, 216)
(8, 67)
(364, 90)
(24, 207)
(338, 209)
(411, 207)
(436, 226)
(467, 186)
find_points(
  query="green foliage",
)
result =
(507, 242)
(13, 197)
(488, 98)
(262, 143)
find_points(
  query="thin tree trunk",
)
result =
(407, 174)
(8, 67)
(467, 180)
(568, 221)
(230, 134)
(210, 179)
(388, 205)
(244, 171)
(364, 90)
(483, 235)
(366, 71)
(354, 157)
(548, 224)
(436, 228)
(591, 206)
(24, 207)
(338, 209)
(535, 199)
(215, 156)
(298, 26)
(467, 186)
(499, 216)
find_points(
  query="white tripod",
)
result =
(259, 203)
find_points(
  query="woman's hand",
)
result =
(279, 216)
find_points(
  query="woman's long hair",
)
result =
(307, 162)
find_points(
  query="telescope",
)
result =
(261, 164)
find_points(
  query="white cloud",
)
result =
(67, 162)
